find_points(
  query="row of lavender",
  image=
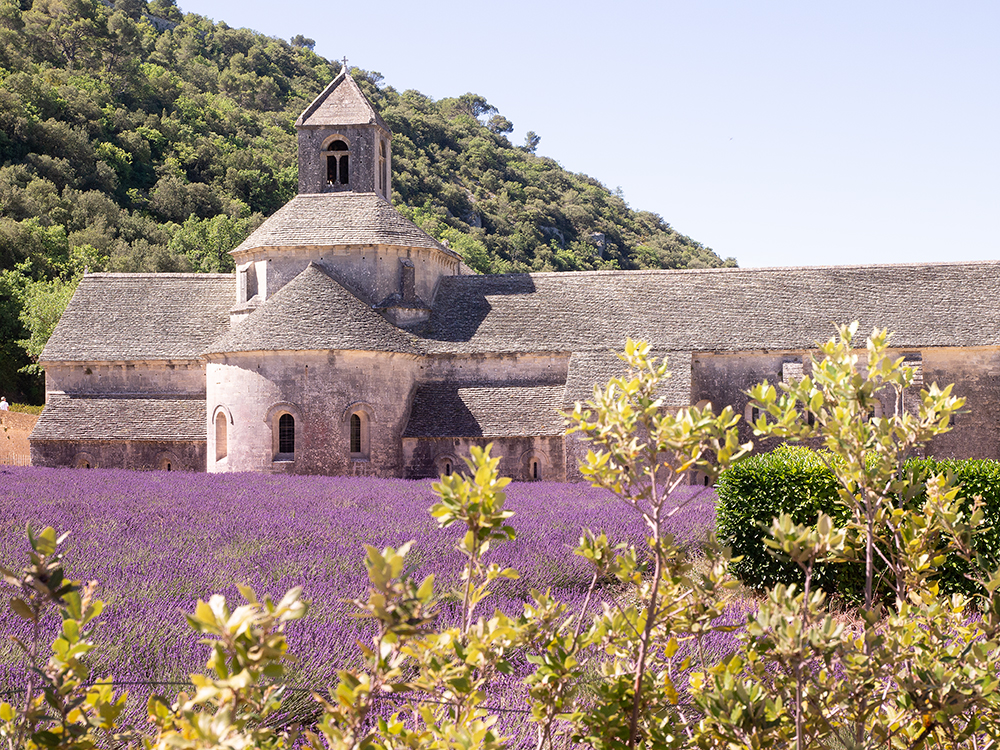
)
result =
(158, 541)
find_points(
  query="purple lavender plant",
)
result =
(158, 541)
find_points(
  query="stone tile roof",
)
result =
(718, 309)
(589, 368)
(329, 219)
(341, 103)
(490, 410)
(314, 312)
(138, 316)
(121, 418)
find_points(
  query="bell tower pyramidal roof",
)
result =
(344, 145)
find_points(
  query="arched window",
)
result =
(286, 434)
(447, 468)
(221, 436)
(338, 167)
(84, 461)
(382, 168)
(355, 433)
(535, 469)
(167, 461)
(359, 434)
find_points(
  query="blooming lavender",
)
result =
(158, 541)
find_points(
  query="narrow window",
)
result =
(381, 167)
(251, 280)
(331, 169)
(535, 472)
(286, 434)
(447, 468)
(221, 436)
(706, 480)
(167, 466)
(344, 178)
(355, 433)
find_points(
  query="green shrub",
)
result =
(795, 480)
(26, 408)
(789, 479)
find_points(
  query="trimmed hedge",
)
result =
(794, 480)
(789, 479)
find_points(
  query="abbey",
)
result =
(348, 341)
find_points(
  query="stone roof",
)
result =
(589, 368)
(142, 316)
(121, 418)
(490, 410)
(340, 103)
(330, 219)
(717, 309)
(314, 312)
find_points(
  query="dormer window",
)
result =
(338, 167)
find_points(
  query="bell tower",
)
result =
(344, 146)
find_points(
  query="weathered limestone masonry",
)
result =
(350, 342)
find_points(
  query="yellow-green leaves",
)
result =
(228, 708)
(61, 708)
(477, 501)
(806, 544)
(642, 450)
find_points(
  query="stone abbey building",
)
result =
(348, 341)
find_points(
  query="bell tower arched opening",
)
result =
(338, 165)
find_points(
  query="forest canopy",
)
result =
(137, 138)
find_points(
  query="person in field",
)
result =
(4, 406)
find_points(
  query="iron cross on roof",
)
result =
(345, 62)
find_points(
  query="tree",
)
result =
(531, 141)
(305, 42)
(43, 303)
(475, 105)
(499, 124)
(74, 28)
(836, 404)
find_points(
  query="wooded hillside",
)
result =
(134, 137)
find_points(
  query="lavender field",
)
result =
(158, 541)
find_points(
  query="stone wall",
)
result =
(976, 375)
(497, 368)
(427, 457)
(14, 430)
(320, 390)
(136, 378)
(372, 272)
(136, 455)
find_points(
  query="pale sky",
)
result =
(779, 133)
